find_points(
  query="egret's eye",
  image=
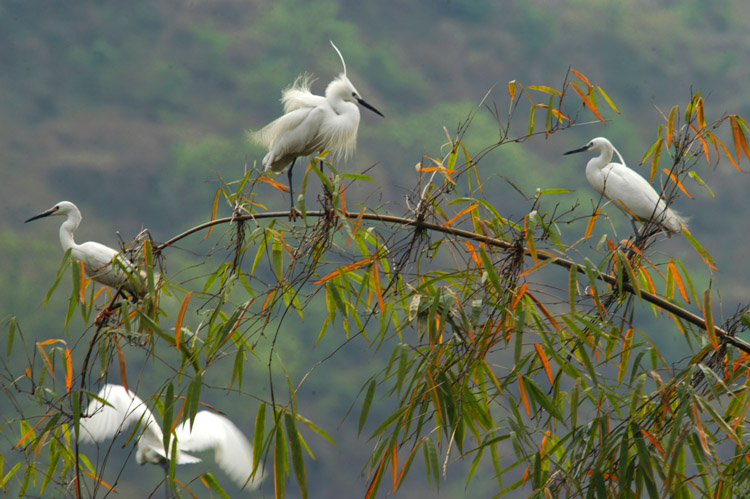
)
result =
(354, 94)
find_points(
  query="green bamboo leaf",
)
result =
(297, 458)
(711, 410)
(277, 257)
(357, 176)
(280, 462)
(64, 263)
(12, 326)
(606, 98)
(490, 270)
(262, 245)
(214, 484)
(10, 474)
(537, 394)
(366, 406)
(545, 89)
(431, 461)
(315, 428)
(259, 433)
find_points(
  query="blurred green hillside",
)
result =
(133, 110)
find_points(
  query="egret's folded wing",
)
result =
(232, 451)
(626, 186)
(123, 408)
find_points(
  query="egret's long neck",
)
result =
(67, 229)
(604, 158)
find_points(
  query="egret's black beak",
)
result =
(365, 104)
(580, 149)
(43, 214)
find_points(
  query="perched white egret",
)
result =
(630, 192)
(312, 124)
(232, 452)
(97, 258)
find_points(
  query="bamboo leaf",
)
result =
(297, 458)
(366, 405)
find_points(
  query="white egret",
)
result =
(232, 452)
(97, 258)
(630, 192)
(312, 124)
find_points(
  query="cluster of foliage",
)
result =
(517, 345)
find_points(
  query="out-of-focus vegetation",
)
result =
(135, 112)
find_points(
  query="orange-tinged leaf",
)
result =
(512, 89)
(109, 487)
(708, 317)
(743, 139)
(406, 462)
(738, 137)
(728, 154)
(581, 77)
(394, 464)
(524, 396)
(51, 341)
(350, 267)
(545, 362)
(46, 360)
(357, 223)
(376, 286)
(704, 144)
(180, 317)
(473, 253)
(544, 310)
(376, 477)
(677, 181)
(587, 102)
(519, 294)
(68, 370)
(558, 114)
(678, 281)
(274, 183)
(23, 438)
(214, 210)
(699, 428)
(343, 198)
(653, 441)
(461, 213)
(699, 114)
(590, 225)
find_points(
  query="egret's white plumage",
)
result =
(232, 451)
(97, 258)
(630, 192)
(312, 123)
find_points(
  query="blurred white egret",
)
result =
(97, 258)
(312, 124)
(630, 192)
(232, 452)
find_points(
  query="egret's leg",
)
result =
(635, 227)
(291, 189)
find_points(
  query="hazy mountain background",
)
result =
(132, 109)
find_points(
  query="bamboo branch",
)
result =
(491, 241)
